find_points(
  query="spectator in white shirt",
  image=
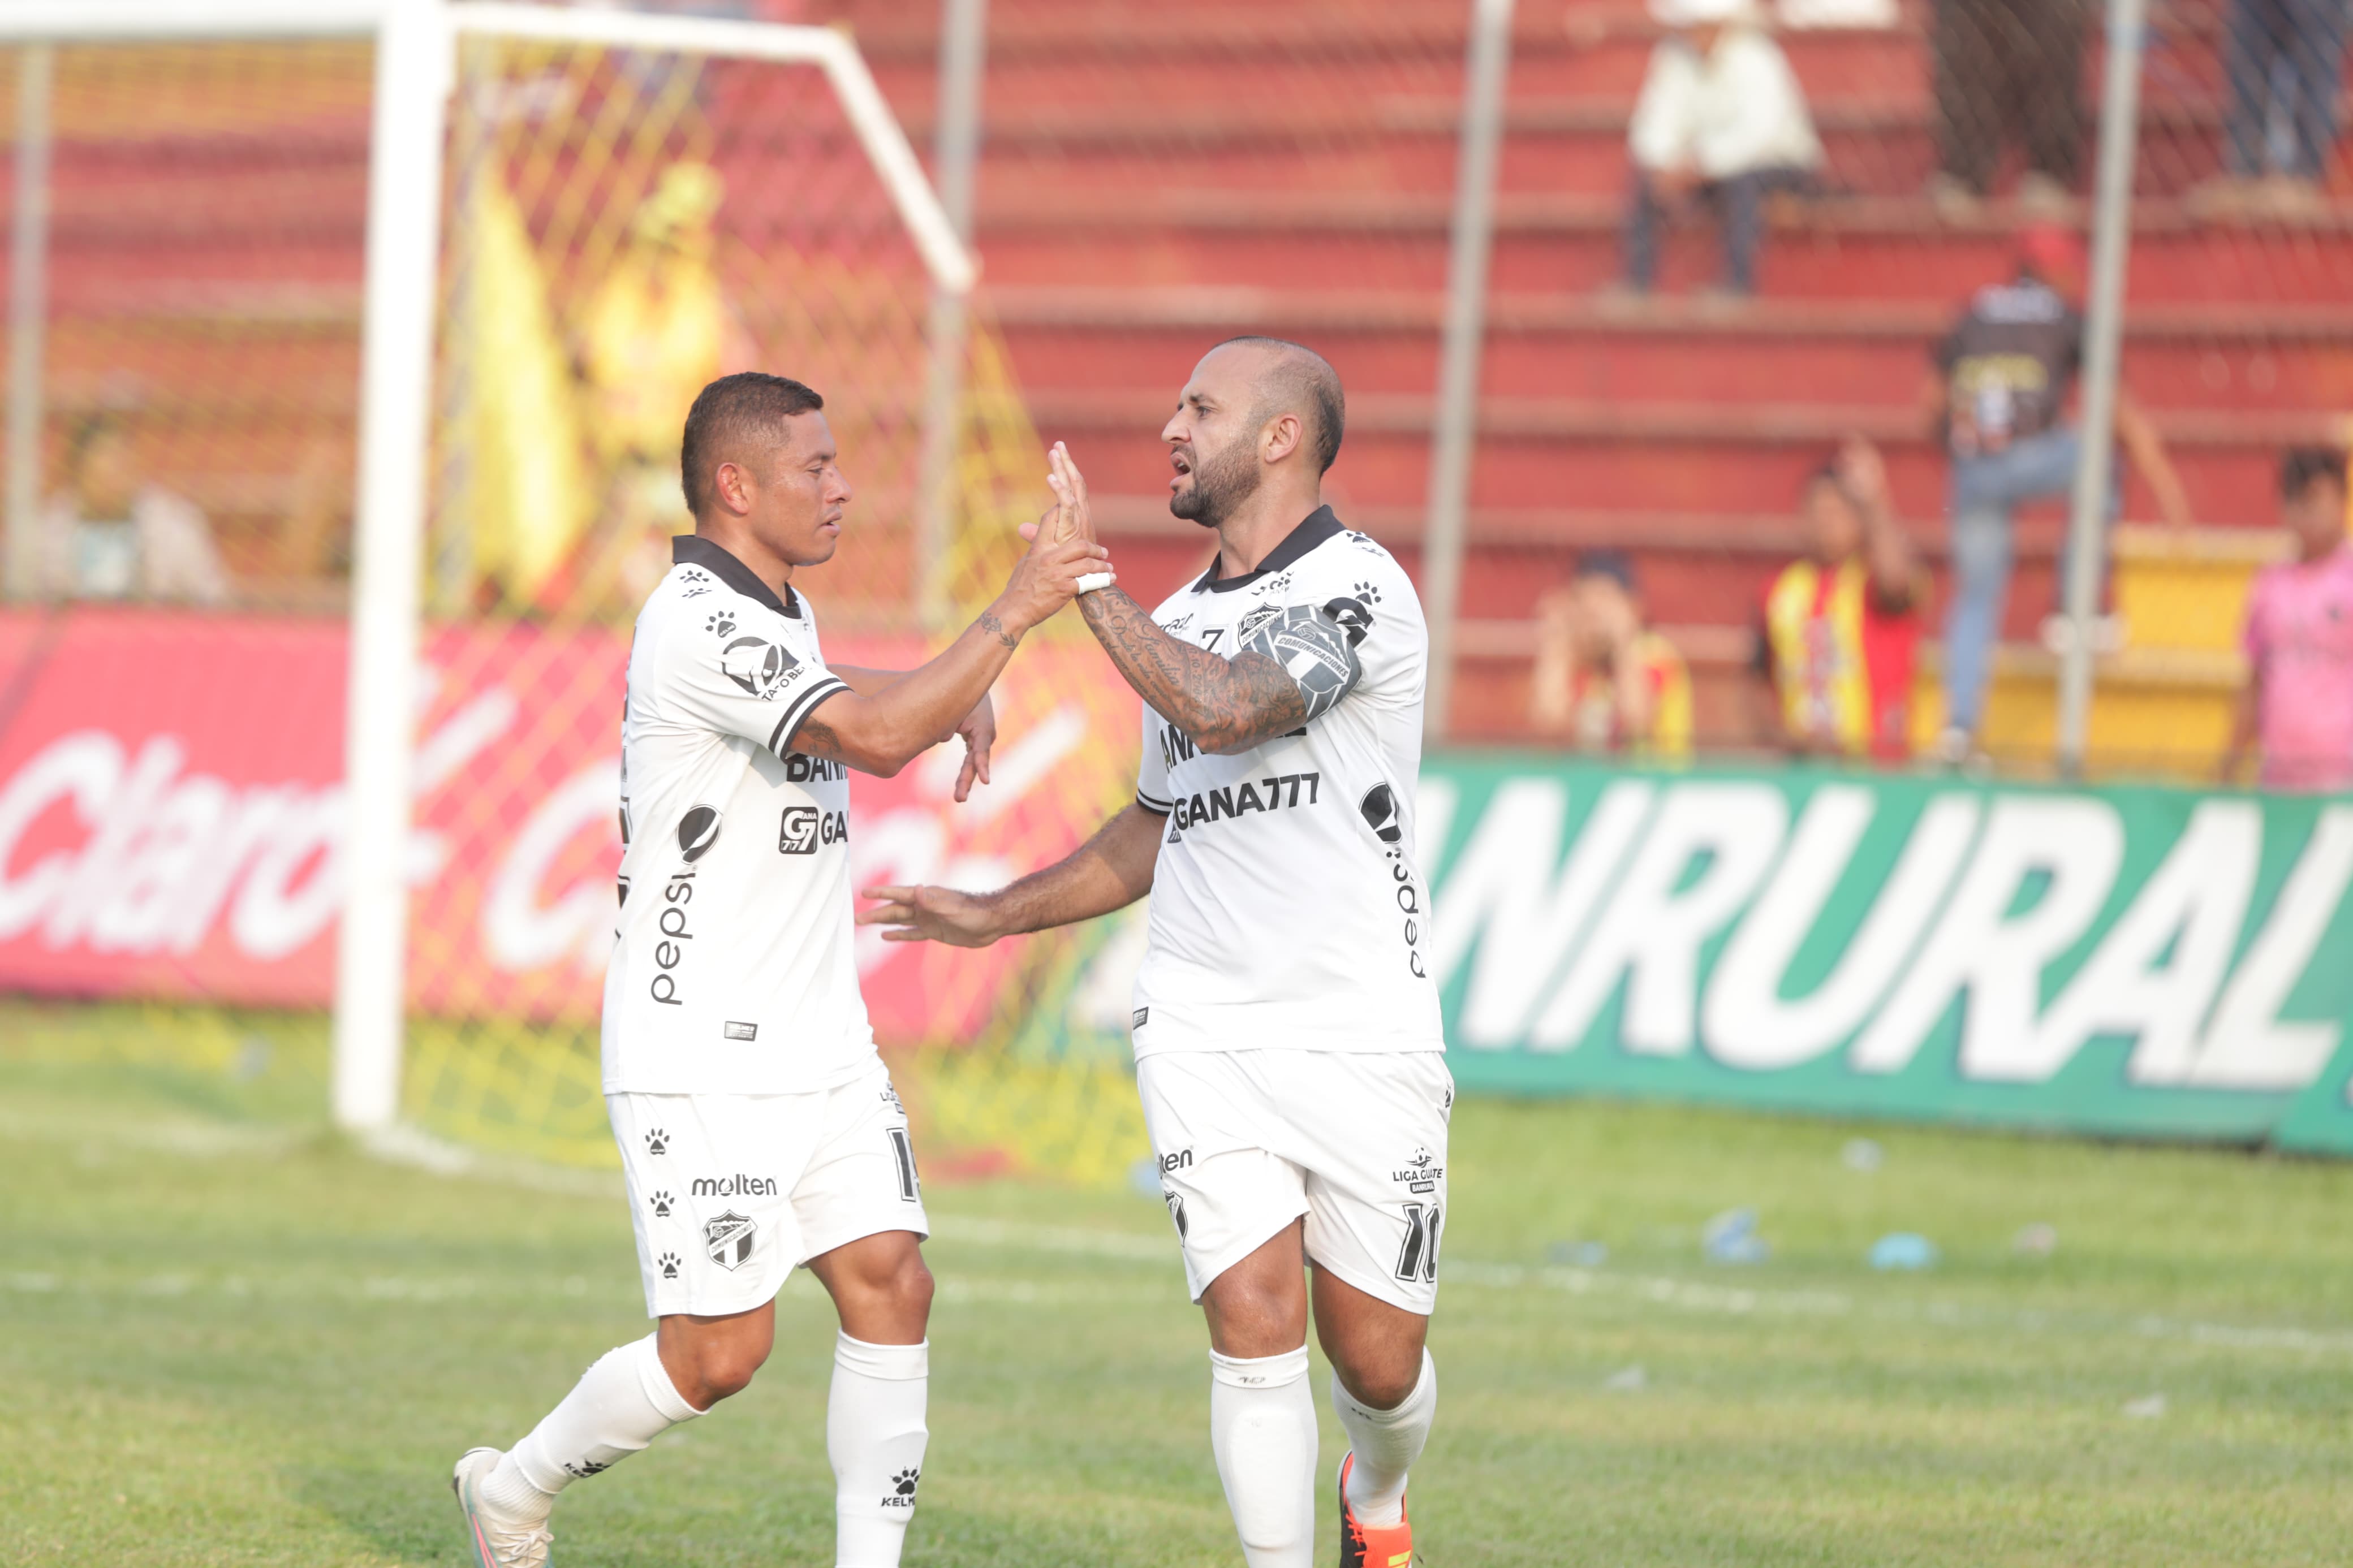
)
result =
(110, 534)
(1721, 118)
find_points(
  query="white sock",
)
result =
(1262, 1429)
(1386, 1443)
(874, 1434)
(619, 1406)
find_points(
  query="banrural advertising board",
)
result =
(2146, 961)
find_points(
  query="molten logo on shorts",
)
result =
(728, 1238)
(738, 1186)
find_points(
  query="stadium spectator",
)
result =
(112, 535)
(2284, 60)
(2297, 705)
(2008, 67)
(1999, 400)
(1720, 118)
(1603, 680)
(1840, 626)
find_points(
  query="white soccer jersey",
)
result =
(733, 971)
(1288, 908)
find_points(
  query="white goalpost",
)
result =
(416, 44)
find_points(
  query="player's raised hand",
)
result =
(1071, 517)
(1049, 576)
(929, 914)
(979, 732)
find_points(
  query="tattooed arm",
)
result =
(1224, 706)
(1290, 670)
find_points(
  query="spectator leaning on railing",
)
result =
(2296, 708)
(1603, 680)
(1840, 626)
(1720, 118)
(111, 534)
(1999, 400)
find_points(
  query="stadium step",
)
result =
(1849, 248)
(1684, 457)
(1667, 350)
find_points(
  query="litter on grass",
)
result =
(2036, 1240)
(1903, 1249)
(1731, 1237)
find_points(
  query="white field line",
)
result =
(408, 1146)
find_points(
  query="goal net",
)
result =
(619, 226)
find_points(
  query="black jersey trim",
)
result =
(1157, 807)
(1321, 525)
(797, 714)
(694, 550)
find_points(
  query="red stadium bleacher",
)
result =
(1153, 181)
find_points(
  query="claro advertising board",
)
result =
(171, 805)
(2140, 961)
(2145, 961)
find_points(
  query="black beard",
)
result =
(1219, 486)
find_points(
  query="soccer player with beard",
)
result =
(1288, 1045)
(758, 1129)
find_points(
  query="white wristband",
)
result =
(1094, 580)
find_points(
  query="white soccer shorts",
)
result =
(1249, 1140)
(729, 1193)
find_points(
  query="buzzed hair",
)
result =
(1301, 378)
(730, 414)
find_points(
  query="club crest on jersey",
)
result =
(1380, 810)
(759, 667)
(728, 1237)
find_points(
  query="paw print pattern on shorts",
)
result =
(661, 1202)
(657, 1141)
(668, 1261)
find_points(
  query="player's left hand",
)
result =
(979, 732)
(924, 914)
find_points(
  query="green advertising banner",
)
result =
(2120, 960)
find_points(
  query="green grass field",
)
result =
(228, 1338)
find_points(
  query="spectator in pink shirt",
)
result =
(2297, 705)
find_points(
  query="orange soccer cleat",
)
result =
(1361, 1545)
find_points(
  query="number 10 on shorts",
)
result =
(1418, 1260)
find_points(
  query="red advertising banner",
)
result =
(171, 801)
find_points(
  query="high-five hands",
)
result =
(1068, 518)
(1061, 562)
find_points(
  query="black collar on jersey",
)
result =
(1319, 526)
(694, 550)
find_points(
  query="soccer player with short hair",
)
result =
(758, 1128)
(1287, 1044)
